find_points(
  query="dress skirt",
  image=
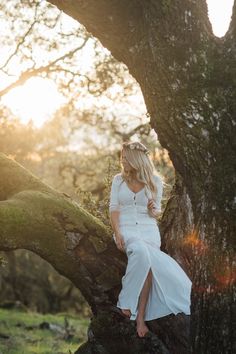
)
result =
(171, 287)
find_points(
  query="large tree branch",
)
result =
(118, 24)
(36, 217)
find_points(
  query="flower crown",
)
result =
(136, 146)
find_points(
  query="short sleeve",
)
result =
(114, 202)
(159, 184)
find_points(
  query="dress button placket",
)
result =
(135, 209)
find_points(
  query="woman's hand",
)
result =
(120, 243)
(152, 208)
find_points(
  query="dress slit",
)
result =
(161, 295)
(158, 302)
(155, 284)
(139, 293)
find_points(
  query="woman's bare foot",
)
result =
(126, 312)
(141, 327)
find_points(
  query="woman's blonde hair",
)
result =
(137, 156)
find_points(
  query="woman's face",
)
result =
(127, 167)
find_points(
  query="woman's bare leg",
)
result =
(141, 326)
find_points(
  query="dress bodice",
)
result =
(133, 206)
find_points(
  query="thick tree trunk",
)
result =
(188, 80)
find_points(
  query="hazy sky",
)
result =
(220, 13)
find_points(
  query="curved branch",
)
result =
(34, 216)
(118, 24)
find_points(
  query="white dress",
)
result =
(171, 287)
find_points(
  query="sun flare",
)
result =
(36, 100)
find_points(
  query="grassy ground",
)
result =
(25, 336)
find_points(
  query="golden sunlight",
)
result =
(36, 100)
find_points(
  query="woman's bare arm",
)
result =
(114, 217)
(115, 213)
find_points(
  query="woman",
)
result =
(154, 284)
